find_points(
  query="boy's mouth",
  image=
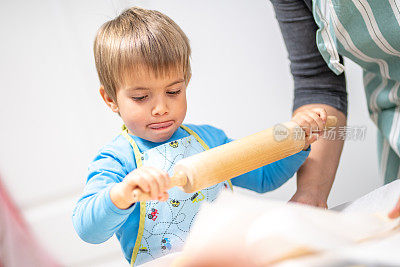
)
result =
(160, 125)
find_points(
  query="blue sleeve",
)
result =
(263, 179)
(273, 175)
(95, 217)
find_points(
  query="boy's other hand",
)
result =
(149, 179)
(312, 121)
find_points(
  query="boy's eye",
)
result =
(139, 98)
(176, 92)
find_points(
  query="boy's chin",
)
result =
(158, 138)
(154, 136)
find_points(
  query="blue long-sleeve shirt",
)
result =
(96, 218)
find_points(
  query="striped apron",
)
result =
(368, 33)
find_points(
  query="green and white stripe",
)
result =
(368, 33)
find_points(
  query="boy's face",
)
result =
(152, 108)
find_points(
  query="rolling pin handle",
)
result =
(331, 121)
(179, 179)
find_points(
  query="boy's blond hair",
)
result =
(139, 38)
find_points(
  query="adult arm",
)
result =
(315, 86)
(315, 177)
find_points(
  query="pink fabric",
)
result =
(18, 246)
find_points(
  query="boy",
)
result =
(142, 59)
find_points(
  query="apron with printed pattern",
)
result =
(164, 226)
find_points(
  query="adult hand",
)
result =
(395, 213)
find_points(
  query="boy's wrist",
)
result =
(118, 196)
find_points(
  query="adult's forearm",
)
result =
(314, 82)
(316, 175)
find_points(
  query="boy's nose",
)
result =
(160, 108)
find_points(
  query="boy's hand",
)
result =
(149, 179)
(312, 121)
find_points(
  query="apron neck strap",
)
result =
(138, 155)
(190, 131)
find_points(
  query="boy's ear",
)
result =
(109, 101)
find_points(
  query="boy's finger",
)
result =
(306, 129)
(302, 122)
(317, 120)
(322, 113)
(160, 177)
(312, 126)
(154, 188)
(167, 180)
(144, 184)
(312, 139)
(164, 196)
(164, 180)
(135, 179)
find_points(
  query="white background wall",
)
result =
(53, 120)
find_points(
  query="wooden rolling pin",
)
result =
(227, 161)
